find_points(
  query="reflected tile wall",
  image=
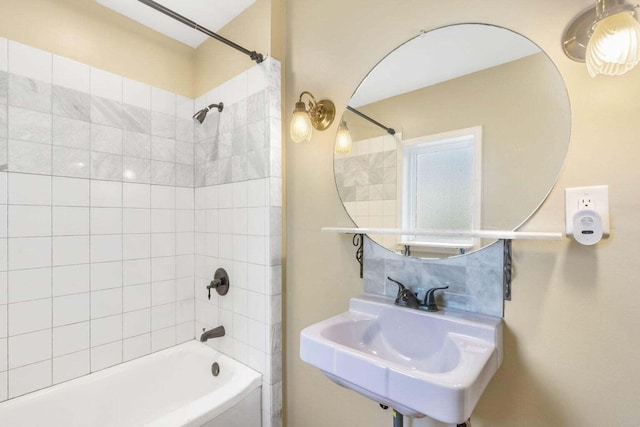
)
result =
(474, 280)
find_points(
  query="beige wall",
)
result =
(85, 31)
(572, 338)
(217, 62)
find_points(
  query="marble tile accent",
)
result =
(239, 142)
(29, 157)
(257, 164)
(106, 139)
(217, 172)
(106, 112)
(474, 280)
(71, 162)
(4, 159)
(29, 93)
(239, 166)
(3, 121)
(163, 149)
(275, 162)
(4, 87)
(136, 170)
(185, 153)
(106, 166)
(71, 133)
(163, 173)
(28, 125)
(206, 151)
(136, 119)
(136, 144)
(224, 146)
(240, 115)
(71, 103)
(185, 129)
(256, 107)
(257, 133)
(185, 175)
(163, 125)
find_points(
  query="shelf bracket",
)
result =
(507, 267)
(358, 242)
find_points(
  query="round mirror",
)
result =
(465, 127)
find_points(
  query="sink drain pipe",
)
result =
(398, 419)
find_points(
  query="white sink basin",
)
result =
(420, 363)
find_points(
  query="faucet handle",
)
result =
(430, 298)
(405, 296)
(401, 288)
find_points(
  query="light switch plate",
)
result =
(594, 198)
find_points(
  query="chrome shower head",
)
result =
(202, 114)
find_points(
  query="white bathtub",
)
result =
(173, 387)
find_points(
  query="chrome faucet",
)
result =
(212, 333)
(407, 298)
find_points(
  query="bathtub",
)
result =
(173, 387)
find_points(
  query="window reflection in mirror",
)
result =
(440, 186)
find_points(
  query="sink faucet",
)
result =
(405, 296)
(212, 333)
(430, 299)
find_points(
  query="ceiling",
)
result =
(441, 55)
(210, 14)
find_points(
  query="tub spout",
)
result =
(212, 333)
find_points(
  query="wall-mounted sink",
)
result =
(435, 364)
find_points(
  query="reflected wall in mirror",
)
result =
(430, 89)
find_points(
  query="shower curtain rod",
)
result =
(390, 131)
(255, 56)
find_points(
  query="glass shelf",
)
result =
(482, 234)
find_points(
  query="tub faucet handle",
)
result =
(220, 282)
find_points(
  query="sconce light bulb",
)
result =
(343, 139)
(300, 128)
(614, 46)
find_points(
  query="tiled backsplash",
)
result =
(475, 280)
(98, 217)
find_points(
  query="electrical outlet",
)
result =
(585, 202)
(594, 198)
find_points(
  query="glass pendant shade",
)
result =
(300, 128)
(614, 46)
(343, 139)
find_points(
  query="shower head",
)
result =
(202, 114)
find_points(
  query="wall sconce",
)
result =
(343, 137)
(319, 115)
(606, 37)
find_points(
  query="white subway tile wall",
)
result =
(115, 211)
(238, 226)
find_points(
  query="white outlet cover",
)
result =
(599, 196)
